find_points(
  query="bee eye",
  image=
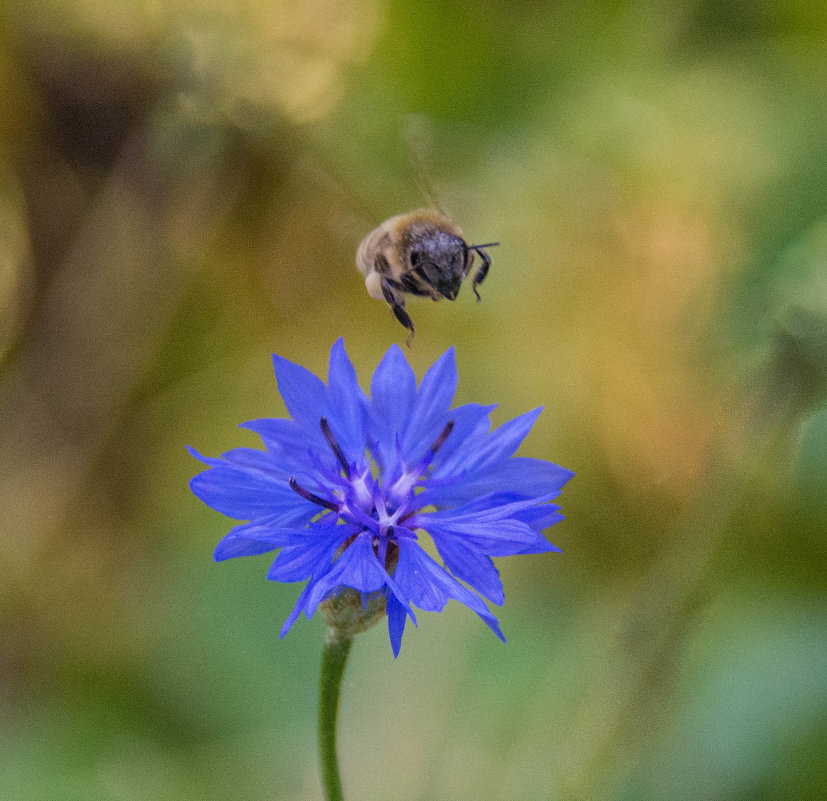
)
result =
(416, 258)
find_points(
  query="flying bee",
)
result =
(419, 253)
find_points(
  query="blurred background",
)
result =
(182, 190)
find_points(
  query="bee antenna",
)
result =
(486, 245)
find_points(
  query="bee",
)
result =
(420, 253)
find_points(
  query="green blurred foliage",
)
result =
(182, 189)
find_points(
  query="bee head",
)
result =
(438, 258)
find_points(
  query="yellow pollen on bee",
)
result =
(373, 282)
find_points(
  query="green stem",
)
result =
(334, 657)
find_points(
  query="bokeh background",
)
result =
(182, 190)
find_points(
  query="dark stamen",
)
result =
(440, 440)
(334, 446)
(391, 555)
(438, 443)
(309, 496)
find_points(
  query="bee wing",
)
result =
(417, 130)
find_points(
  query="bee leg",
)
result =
(479, 276)
(397, 304)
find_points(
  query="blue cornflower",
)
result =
(347, 487)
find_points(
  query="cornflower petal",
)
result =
(494, 537)
(397, 617)
(494, 531)
(358, 568)
(347, 403)
(264, 535)
(431, 406)
(471, 424)
(392, 393)
(291, 443)
(520, 475)
(489, 507)
(304, 395)
(242, 458)
(473, 567)
(300, 561)
(541, 517)
(538, 517)
(430, 586)
(478, 453)
(300, 606)
(242, 492)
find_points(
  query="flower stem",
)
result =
(334, 657)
